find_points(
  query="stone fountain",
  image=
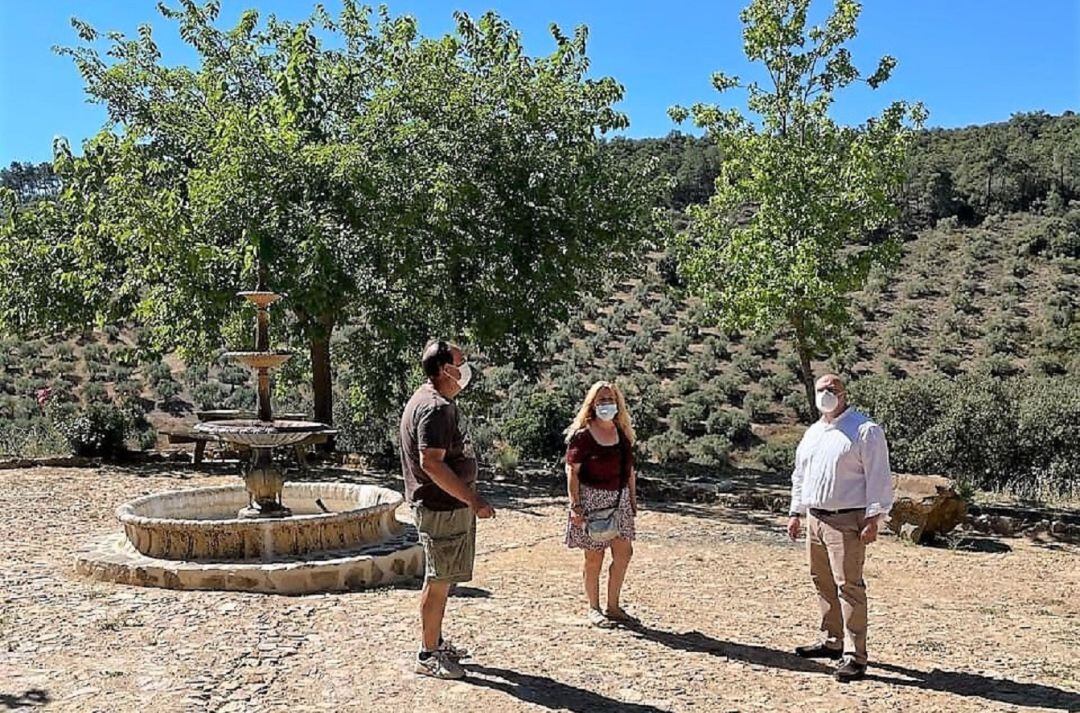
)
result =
(267, 535)
(263, 478)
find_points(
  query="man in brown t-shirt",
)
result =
(440, 475)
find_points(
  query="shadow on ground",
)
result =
(549, 693)
(973, 684)
(696, 642)
(32, 697)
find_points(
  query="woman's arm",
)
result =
(632, 486)
(573, 490)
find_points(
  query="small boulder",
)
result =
(925, 506)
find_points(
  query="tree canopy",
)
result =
(797, 191)
(403, 185)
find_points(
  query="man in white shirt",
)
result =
(843, 485)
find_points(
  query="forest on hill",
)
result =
(968, 351)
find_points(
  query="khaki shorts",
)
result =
(449, 540)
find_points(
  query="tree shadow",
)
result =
(549, 693)
(973, 684)
(32, 697)
(696, 642)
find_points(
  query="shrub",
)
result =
(758, 407)
(1047, 365)
(779, 457)
(234, 375)
(96, 371)
(748, 363)
(777, 385)
(946, 363)
(535, 424)
(796, 401)
(730, 423)
(166, 389)
(96, 353)
(999, 365)
(210, 394)
(688, 418)
(726, 388)
(669, 447)
(918, 289)
(893, 368)
(989, 432)
(709, 450)
(716, 349)
(675, 344)
(762, 344)
(241, 398)
(98, 429)
(622, 360)
(95, 392)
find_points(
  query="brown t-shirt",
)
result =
(431, 420)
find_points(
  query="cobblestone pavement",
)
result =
(722, 595)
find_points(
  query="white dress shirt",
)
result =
(842, 465)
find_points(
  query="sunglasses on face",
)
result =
(835, 390)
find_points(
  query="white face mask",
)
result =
(827, 401)
(606, 412)
(466, 374)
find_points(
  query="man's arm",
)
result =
(797, 507)
(433, 463)
(879, 486)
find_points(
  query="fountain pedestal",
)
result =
(264, 481)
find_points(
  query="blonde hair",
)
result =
(586, 414)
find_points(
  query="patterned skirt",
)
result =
(597, 499)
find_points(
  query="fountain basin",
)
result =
(201, 524)
(260, 434)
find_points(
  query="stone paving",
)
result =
(990, 625)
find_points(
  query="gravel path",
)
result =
(722, 594)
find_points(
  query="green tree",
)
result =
(404, 186)
(785, 237)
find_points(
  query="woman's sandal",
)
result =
(596, 618)
(619, 616)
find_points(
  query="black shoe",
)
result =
(849, 670)
(818, 651)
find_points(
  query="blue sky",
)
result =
(970, 61)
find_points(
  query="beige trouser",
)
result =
(836, 557)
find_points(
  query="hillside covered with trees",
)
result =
(968, 349)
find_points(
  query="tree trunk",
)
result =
(322, 380)
(806, 370)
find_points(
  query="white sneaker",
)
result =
(455, 652)
(439, 665)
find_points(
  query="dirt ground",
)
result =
(723, 597)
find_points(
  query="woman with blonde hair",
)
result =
(602, 485)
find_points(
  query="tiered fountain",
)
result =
(267, 535)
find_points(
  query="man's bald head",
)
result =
(835, 385)
(830, 382)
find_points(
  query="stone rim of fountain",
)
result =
(128, 513)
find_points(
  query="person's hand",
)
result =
(869, 531)
(577, 515)
(794, 527)
(481, 508)
(633, 505)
